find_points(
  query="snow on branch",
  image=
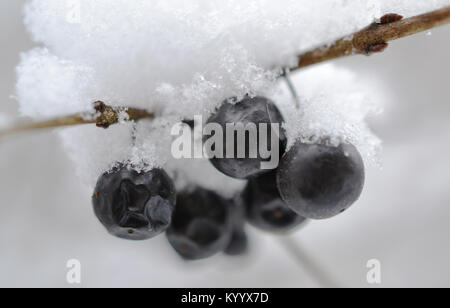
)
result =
(371, 39)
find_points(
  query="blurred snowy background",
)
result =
(402, 219)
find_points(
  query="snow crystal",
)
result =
(181, 58)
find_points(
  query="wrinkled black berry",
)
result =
(265, 208)
(132, 205)
(255, 110)
(201, 224)
(319, 181)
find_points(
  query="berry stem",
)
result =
(309, 263)
(103, 117)
(375, 37)
(290, 84)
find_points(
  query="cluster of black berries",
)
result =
(312, 181)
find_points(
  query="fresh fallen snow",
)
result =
(181, 58)
(334, 103)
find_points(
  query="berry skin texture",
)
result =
(201, 224)
(132, 205)
(319, 181)
(265, 208)
(255, 110)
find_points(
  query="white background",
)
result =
(402, 218)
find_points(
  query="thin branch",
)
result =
(310, 264)
(290, 84)
(375, 37)
(104, 117)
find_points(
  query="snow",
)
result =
(49, 86)
(182, 58)
(334, 106)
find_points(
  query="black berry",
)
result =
(319, 181)
(257, 110)
(201, 224)
(265, 208)
(134, 205)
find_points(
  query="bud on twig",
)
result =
(104, 117)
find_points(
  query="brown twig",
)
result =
(375, 37)
(104, 117)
